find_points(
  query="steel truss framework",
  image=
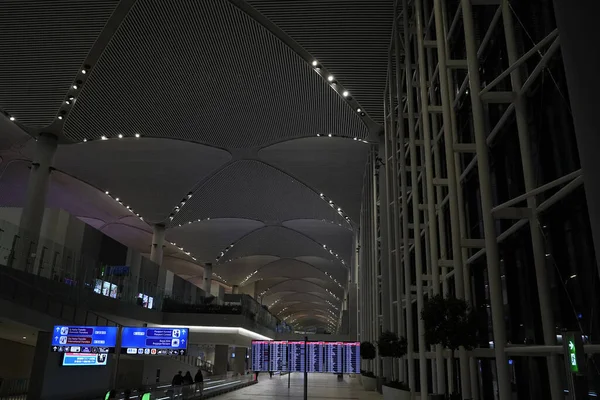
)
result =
(414, 240)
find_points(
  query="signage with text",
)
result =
(84, 339)
(84, 359)
(154, 341)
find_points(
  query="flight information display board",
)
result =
(84, 339)
(296, 356)
(154, 341)
(330, 357)
(351, 357)
(334, 357)
(315, 356)
(260, 355)
(278, 356)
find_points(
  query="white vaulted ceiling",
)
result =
(210, 118)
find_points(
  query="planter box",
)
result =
(369, 384)
(395, 394)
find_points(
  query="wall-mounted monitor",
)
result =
(84, 339)
(154, 341)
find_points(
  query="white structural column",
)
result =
(37, 189)
(165, 277)
(395, 124)
(207, 278)
(385, 259)
(405, 255)
(539, 257)
(158, 241)
(430, 192)
(374, 243)
(452, 183)
(414, 167)
(489, 227)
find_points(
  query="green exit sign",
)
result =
(572, 354)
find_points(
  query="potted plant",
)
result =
(368, 379)
(390, 345)
(451, 323)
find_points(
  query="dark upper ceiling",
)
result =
(209, 117)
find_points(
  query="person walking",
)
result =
(199, 380)
(176, 383)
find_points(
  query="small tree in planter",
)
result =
(367, 352)
(449, 322)
(390, 345)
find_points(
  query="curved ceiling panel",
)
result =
(164, 171)
(289, 267)
(294, 285)
(332, 166)
(183, 267)
(128, 232)
(207, 239)
(349, 38)
(336, 238)
(43, 46)
(253, 190)
(276, 241)
(64, 191)
(237, 270)
(11, 135)
(205, 72)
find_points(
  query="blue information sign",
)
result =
(154, 341)
(84, 339)
(84, 360)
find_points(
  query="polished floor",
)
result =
(320, 387)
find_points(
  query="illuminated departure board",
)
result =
(278, 353)
(329, 357)
(334, 357)
(296, 356)
(351, 357)
(260, 355)
(315, 356)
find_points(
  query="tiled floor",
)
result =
(320, 387)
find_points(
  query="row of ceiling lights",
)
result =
(248, 277)
(179, 206)
(335, 207)
(332, 135)
(333, 279)
(187, 253)
(334, 85)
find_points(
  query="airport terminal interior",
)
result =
(299, 199)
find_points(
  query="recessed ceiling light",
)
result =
(84, 140)
(12, 118)
(315, 63)
(103, 137)
(75, 87)
(120, 136)
(346, 93)
(330, 78)
(60, 117)
(83, 71)
(24, 337)
(358, 110)
(330, 135)
(137, 135)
